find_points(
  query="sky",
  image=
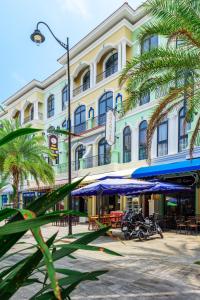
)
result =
(21, 60)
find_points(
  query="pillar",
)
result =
(36, 110)
(94, 73)
(197, 201)
(134, 146)
(173, 134)
(91, 75)
(123, 53)
(119, 56)
(22, 116)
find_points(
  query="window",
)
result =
(127, 144)
(104, 155)
(149, 43)
(79, 119)
(86, 81)
(64, 97)
(162, 139)
(91, 113)
(105, 103)
(145, 98)
(182, 130)
(50, 106)
(143, 140)
(111, 65)
(79, 152)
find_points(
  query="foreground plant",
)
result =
(174, 68)
(40, 263)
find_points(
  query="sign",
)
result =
(53, 145)
(110, 127)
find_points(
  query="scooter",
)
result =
(149, 228)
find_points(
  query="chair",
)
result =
(92, 225)
(181, 225)
(192, 225)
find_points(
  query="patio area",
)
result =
(154, 269)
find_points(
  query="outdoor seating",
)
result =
(181, 225)
(192, 225)
(92, 224)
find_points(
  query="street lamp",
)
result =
(38, 38)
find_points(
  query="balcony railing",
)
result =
(81, 89)
(98, 160)
(108, 72)
(31, 118)
(87, 125)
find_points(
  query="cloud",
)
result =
(78, 7)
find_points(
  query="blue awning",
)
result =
(172, 168)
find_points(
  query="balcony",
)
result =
(108, 72)
(81, 89)
(98, 160)
(87, 125)
(30, 118)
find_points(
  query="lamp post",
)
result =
(38, 38)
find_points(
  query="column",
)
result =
(36, 110)
(94, 73)
(154, 145)
(173, 134)
(119, 56)
(123, 53)
(71, 86)
(134, 146)
(22, 116)
(91, 75)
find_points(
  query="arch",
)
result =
(83, 65)
(64, 97)
(105, 49)
(105, 103)
(79, 152)
(104, 152)
(110, 65)
(126, 144)
(142, 140)
(86, 80)
(50, 106)
(80, 119)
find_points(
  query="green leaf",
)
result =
(7, 212)
(23, 225)
(13, 135)
(39, 206)
(21, 271)
(87, 247)
(31, 281)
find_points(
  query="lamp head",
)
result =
(37, 37)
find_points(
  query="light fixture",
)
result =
(37, 37)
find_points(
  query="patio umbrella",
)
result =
(113, 186)
(164, 188)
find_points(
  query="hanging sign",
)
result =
(53, 145)
(110, 127)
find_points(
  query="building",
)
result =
(95, 65)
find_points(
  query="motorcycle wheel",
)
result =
(141, 236)
(127, 236)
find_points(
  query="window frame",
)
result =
(102, 99)
(106, 160)
(125, 151)
(50, 106)
(79, 149)
(149, 39)
(65, 97)
(163, 141)
(184, 136)
(81, 126)
(141, 146)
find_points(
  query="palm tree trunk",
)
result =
(15, 174)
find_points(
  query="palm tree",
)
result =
(22, 157)
(173, 67)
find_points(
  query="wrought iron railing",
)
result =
(108, 72)
(98, 160)
(81, 88)
(87, 125)
(31, 118)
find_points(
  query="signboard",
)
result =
(53, 145)
(110, 127)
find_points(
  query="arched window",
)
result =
(105, 103)
(162, 138)
(79, 152)
(143, 140)
(86, 81)
(127, 144)
(64, 97)
(79, 119)
(182, 131)
(111, 65)
(104, 154)
(149, 43)
(145, 98)
(91, 113)
(50, 106)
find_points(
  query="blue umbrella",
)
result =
(113, 186)
(163, 188)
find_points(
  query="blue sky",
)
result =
(21, 60)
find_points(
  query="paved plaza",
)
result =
(154, 269)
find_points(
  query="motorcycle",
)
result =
(130, 224)
(149, 228)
